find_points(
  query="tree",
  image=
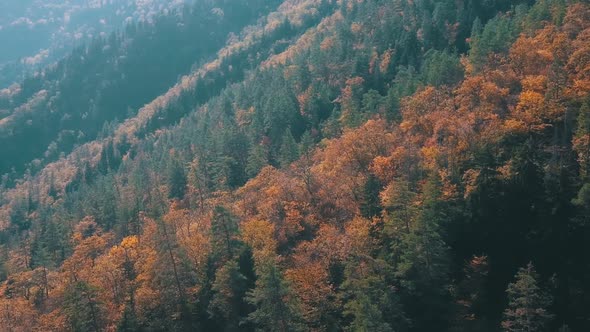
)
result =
(440, 68)
(582, 142)
(168, 276)
(371, 300)
(82, 307)
(257, 159)
(224, 233)
(527, 303)
(276, 308)
(370, 206)
(423, 265)
(289, 151)
(229, 293)
(176, 181)
(581, 145)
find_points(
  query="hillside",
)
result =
(106, 81)
(332, 165)
(36, 33)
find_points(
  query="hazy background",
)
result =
(34, 33)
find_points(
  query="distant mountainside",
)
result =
(305, 165)
(109, 79)
(34, 33)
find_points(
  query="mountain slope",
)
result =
(68, 104)
(36, 33)
(341, 169)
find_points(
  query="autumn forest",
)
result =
(305, 165)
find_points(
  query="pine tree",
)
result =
(423, 265)
(581, 145)
(128, 322)
(224, 231)
(527, 303)
(289, 152)
(276, 309)
(440, 68)
(229, 290)
(257, 159)
(371, 301)
(371, 205)
(82, 307)
(177, 181)
(306, 144)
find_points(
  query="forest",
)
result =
(305, 165)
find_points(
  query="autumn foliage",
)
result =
(443, 207)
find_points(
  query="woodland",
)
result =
(305, 165)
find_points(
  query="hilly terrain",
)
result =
(305, 165)
(35, 33)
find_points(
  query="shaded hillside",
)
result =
(34, 33)
(69, 104)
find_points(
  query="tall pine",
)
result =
(527, 304)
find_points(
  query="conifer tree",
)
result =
(582, 143)
(527, 303)
(82, 307)
(276, 309)
(423, 265)
(257, 159)
(229, 290)
(177, 181)
(224, 231)
(371, 301)
(288, 152)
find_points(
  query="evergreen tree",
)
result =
(582, 142)
(289, 152)
(224, 231)
(370, 298)
(128, 322)
(371, 204)
(441, 68)
(257, 159)
(229, 290)
(177, 181)
(82, 307)
(306, 144)
(371, 103)
(423, 266)
(527, 304)
(276, 309)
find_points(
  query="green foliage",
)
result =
(177, 181)
(276, 309)
(543, 12)
(82, 308)
(228, 300)
(441, 68)
(257, 159)
(495, 37)
(424, 264)
(582, 134)
(371, 204)
(224, 231)
(289, 151)
(511, 197)
(370, 299)
(128, 322)
(527, 303)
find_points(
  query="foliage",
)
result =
(342, 165)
